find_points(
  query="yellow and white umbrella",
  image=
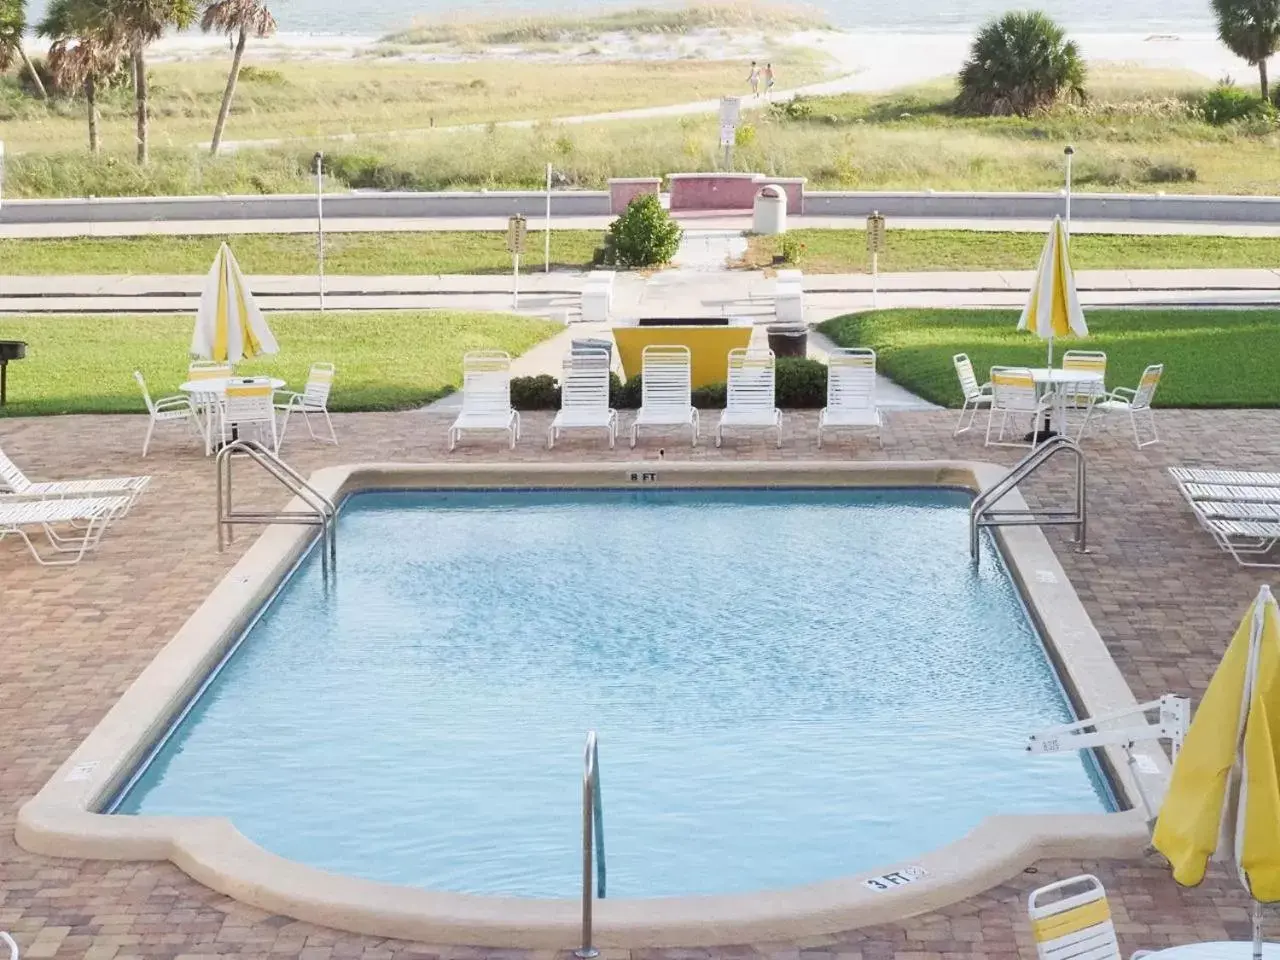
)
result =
(1054, 309)
(229, 325)
(1223, 800)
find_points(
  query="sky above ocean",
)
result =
(366, 17)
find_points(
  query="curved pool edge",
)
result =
(61, 820)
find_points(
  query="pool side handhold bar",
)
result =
(592, 837)
(981, 513)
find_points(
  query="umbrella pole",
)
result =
(1051, 351)
(1257, 930)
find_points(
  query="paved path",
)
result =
(712, 220)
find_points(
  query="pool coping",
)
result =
(61, 819)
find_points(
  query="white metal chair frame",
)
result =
(1076, 925)
(1013, 393)
(173, 409)
(584, 395)
(851, 393)
(486, 396)
(89, 517)
(19, 485)
(751, 392)
(249, 403)
(208, 406)
(1134, 401)
(314, 398)
(666, 390)
(976, 395)
(1243, 518)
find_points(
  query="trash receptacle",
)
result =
(591, 343)
(769, 216)
(788, 339)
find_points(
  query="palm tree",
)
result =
(82, 54)
(1251, 29)
(1020, 63)
(13, 22)
(138, 24)
(240, 17)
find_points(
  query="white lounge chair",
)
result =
(751, 399)
(486, 396)
(18, 484)
(1071, 920)
(1243, 519)
(86, 517)
(249, 404)
(1244, 478)
(176, 410)
(851, 392)
(1013, 393)
(584, 395)
(1135, 402)
(313, 399)
(976, 395)
(666, 391)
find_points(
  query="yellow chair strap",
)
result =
(1071, 921)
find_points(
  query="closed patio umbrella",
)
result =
(1053, 309)
(229, 325)
(1223, 800)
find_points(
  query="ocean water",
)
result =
(788, 686)
(376, 17)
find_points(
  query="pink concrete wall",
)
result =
(730, 191)
(622, 192)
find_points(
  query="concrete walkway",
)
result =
(712, 220)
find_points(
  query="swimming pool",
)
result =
(788, 685)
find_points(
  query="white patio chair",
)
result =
(666, 391)
(1013, 393)
(313, 399)
(486, 396)
(19, 485)
(1135, 402)
(751, 399)
(176, 409)
(851, 392)
(208, 405)
(86, 517)
(1071, 920)
(584, 395)
(249, 405)
(976, 395)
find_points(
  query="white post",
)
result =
(515, 281)
(546, 239)
(875, 277)
(320, 224)
(1069, 152)
(1, 173)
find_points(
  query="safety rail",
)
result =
(981, 513)
(322, 513)
(592, 838)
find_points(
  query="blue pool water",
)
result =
(788, 686)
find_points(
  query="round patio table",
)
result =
(1053, 380)
(216, 388)
(1215, 950)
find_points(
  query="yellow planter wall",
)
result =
(709, 348)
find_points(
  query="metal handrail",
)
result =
(592, 836)
(981, 513)
(322, 513)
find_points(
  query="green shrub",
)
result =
(801, 384)
(1020, 63)
(711, 397)
(791, 249)
(535, 393)
(1169, 173)
(624, 396)
(252, 73)
(1226, 103)
(643, 236)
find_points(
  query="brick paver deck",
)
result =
(72, 640)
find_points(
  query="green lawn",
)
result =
(845, 251)
(385, 361)
(1212, 358)
(357, 254)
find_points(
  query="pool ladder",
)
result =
(981, 513)
(592, 839)
(320, 512)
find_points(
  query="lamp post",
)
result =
(319, 165)
(1069, 152)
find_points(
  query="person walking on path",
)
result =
(753, 78)
(768, 79)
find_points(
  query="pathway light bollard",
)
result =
(1069, 152)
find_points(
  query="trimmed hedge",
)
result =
(801, 385)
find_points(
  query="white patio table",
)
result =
(1215, 950)
(1052, 380)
